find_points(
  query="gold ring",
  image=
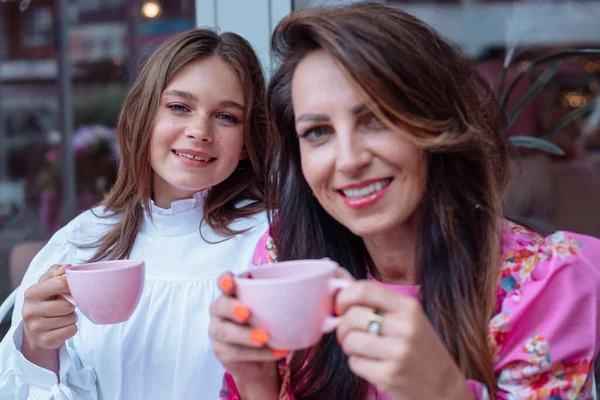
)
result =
(375, 321)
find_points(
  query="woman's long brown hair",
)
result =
(413, 80)
(132, 190)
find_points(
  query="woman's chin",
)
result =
(364, 230)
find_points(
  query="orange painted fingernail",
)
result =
(338, 340)
(241, 313)
(336, 310)
(280, 353)
(226, 284)
(260, 337)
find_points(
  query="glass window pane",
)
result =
(106, 39)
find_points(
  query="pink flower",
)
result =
(52, 154)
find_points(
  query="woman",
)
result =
(392, 161)
(188, 200)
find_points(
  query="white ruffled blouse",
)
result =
(163, 352)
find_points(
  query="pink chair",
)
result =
(20, 257)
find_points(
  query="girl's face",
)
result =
(197, 139)
(362, 172)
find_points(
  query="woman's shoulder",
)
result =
(265, 253)
(529, 256)
(544, 336)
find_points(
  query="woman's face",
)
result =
(364, 174)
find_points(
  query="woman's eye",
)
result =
(315, 133)
(373, 122)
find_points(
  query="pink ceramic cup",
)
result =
(106, 292)
(292, 300)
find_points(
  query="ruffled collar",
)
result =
(180, 206)
(184, 216)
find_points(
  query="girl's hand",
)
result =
(48, 319)
(407, 359)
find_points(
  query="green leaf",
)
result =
(536, 143)
(532, 92)
(570, 118)
(560, 55)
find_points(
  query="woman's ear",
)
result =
(243, 154)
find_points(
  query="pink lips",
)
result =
(365, 201)
(192, 162)
(193, 153)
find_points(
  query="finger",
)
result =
(358, 318)
(373, 371)
(63, 268)
(226, 284)
(366, 345)
(50, 273)
(55, 338)
(344, 274)
(54, 308)
(230, 353)
(374, 296)
(231, 309)
(47, 289)
(224, 331)
(63, 321)
(39, 327)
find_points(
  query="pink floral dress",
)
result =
(546, 334)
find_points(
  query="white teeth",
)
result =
(367, 190)
(191, 157)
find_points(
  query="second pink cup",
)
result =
(106, 292)
(292, 300)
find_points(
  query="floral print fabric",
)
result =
(546, 334)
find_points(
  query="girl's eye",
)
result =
(228, 118)
(178, 108)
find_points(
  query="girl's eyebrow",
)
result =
(231, 103)
(191, 97)
(181, 93)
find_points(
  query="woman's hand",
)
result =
(241, 348)
(407, 359)
(48, 319)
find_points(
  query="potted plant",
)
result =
(96, 157)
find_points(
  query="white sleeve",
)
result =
(19, 378)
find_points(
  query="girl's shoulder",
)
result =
(94, 222)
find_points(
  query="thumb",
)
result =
(344, 274)
(63, 269)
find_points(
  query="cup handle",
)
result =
(333, 286)
(69, 298)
